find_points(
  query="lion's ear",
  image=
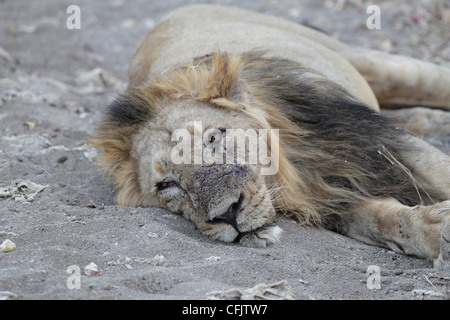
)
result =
(226, 69)
(131, 108)
(215, 78)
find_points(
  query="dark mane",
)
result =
(340, 142)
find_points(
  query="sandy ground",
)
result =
(55, 82)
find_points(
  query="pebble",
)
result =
(7, 246)
(407, 286)
(92, 270)
(213, 258)
(159, 260)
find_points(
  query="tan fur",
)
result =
(223, 91)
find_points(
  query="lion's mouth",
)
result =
(230, 216)
(237, 225)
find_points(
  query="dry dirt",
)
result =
(54, 84)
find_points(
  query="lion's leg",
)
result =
(429, 166)
(401, 81)
(396, 80)
(422, 122)
(423, 231)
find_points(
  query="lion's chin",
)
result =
(258, 238)
(261, 237)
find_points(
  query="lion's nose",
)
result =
(230, 215)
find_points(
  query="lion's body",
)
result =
(341, 164)
(234, 31)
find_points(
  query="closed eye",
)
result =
(165, 185)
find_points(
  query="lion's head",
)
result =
(327, 151)
(227, 199)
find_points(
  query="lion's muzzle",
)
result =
(230, 215)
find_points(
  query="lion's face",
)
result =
(226, 200)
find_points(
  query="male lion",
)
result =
(341, 164)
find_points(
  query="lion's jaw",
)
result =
(228, 201)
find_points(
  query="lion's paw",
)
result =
(443, 261)
(261, 237)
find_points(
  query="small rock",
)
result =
(213, 258)
(92, 270)
(407, 287)
(152, 235)
(159, 260)
(6, 56)
(303, 281)
(262, 291)
(30, 125)
(421, 293)
(22, 191)
(62, 159)
(6, 295)
(91, 204)
(7, 246)
(128, 23)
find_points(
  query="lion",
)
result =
(206, 70)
